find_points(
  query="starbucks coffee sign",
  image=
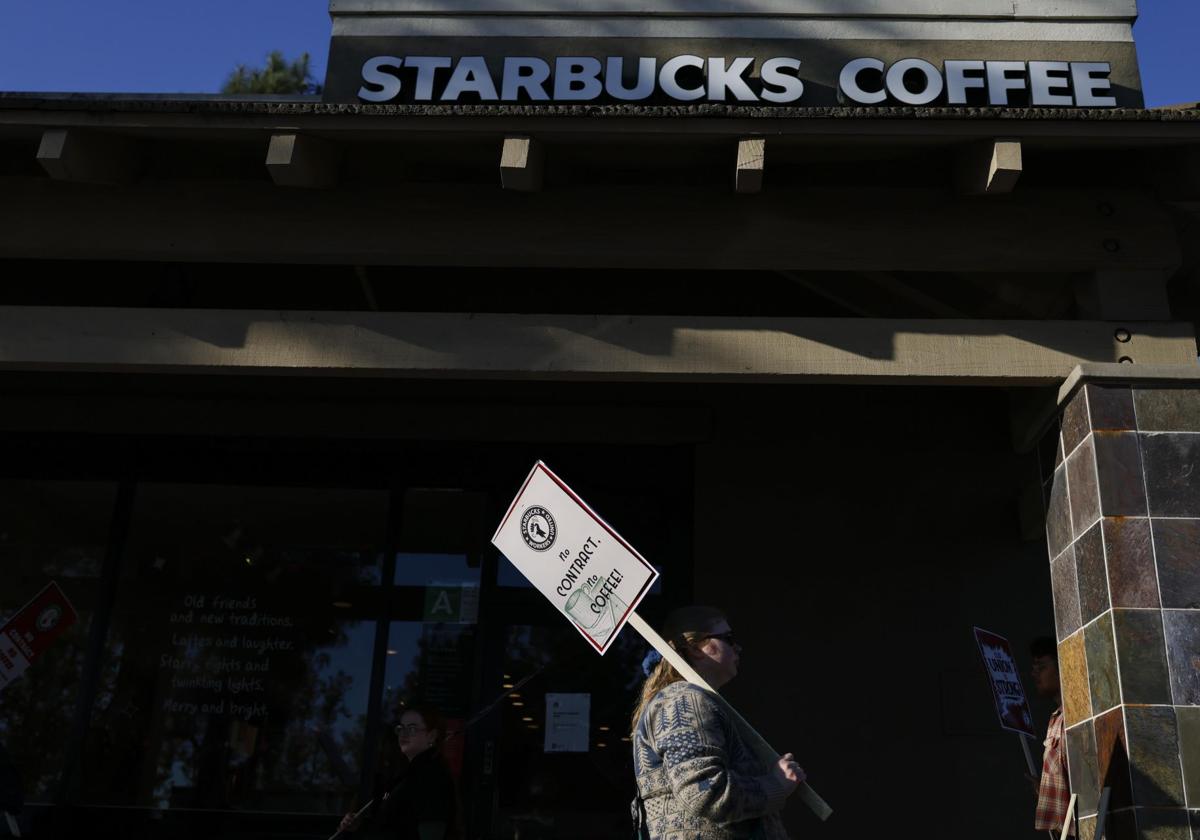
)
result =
(738, 79)
(738, 72)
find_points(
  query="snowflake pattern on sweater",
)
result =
(698, 777)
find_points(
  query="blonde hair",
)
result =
(682, 629)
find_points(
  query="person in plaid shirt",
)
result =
(1053, 789)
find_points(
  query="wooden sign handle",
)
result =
(1033, 768)
(1066, 829)
(765, 750)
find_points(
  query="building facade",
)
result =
(868, 322)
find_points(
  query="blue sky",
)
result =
(170, 46)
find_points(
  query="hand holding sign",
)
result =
(596, 580)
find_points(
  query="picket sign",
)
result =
(596, 580)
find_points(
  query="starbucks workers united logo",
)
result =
(538, 528)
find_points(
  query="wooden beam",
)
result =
(382, 412)
(751, 158)
(989, 168)
(571, 347)
(87, 156)
(601, 226)
(299, 160)
(1116, 295)
(522, 161)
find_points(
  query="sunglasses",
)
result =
(410, 730)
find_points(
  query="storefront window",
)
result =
(566, 730)
(239, 658)
(431, 655)
(50, 531)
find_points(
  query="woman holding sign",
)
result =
(697, 773)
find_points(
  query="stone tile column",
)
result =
(1123, 530)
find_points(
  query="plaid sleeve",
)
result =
(1054, 791)
(692, 733)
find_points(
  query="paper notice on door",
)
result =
(568, 722)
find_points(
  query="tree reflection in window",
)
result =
(241, 651)
(49, 531)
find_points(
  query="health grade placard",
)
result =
(573, 557)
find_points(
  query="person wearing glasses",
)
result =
(420, 803)
(697, 774)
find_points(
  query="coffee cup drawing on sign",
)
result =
(597, 622)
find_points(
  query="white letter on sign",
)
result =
(642, 88)
(999, 82)
(1086, 84)
(849, 81)
(426, 66)
(1042, 83)
(470, 76)
(388, 84)
(930, 90)
(534, 82)
(668, 81)
(773, 75)
(722, 78)
(577, 79)
(958, 82)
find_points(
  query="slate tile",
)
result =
(1188, 718)
(1111, 408)
(1119, 473)
(1075, 423)
(1102, 664)
(1072, 673)
(1090, 574)
(1181, 629)
(1058, 514)
(1131, 576)
(1153, 739)
(1141, 656)
(1177, 551)
(1112, 757)
(1168, 409)
(1085, 494)
(1081, 758)
(1066, 594)
(1172, 466)
(1163, 824)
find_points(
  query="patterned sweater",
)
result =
(697, 775)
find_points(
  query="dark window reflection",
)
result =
(239, 657)
(49, 531)
(548, 752)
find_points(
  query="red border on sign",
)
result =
(607, 528)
